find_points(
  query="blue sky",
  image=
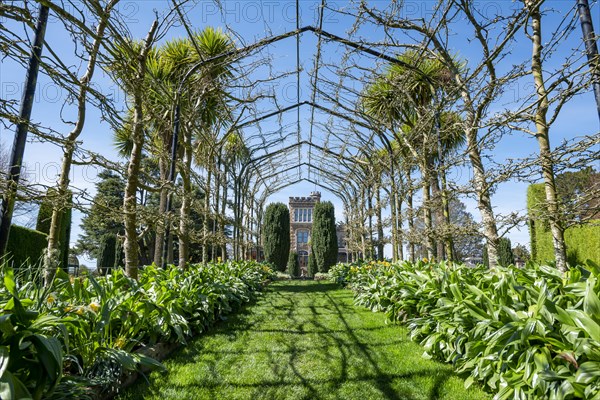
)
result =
(253, 20)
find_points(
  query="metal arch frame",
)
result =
(243, 52)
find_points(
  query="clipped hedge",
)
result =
(25, 246)
(582, 240)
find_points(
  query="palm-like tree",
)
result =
(202, 107)
(403, 99)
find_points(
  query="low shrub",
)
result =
(56, 342)
(525, 333)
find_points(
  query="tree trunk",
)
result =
(543, 139)
(162, 209)
(380, 238)
(186, 201)
(427, 218)
(205, 222)
(448, 241)
(398, 223)
(222, 218)
(484, 203)
(131, 246)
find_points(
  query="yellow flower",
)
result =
(425, 260)
(50, 299)
(68, 308)
(120, 342)
(79, 311)
(95, 307)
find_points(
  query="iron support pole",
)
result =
(589, 38)
(172, 173)
(18, 149)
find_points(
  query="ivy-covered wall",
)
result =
(583, 241)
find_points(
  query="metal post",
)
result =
(591, 47)
(18, 149)
(172, 172)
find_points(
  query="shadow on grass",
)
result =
(347, 357)
(299, 287)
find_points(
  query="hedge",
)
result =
(44, 221)
(276, 235)
(25, 246)
(324, 236)
(582, 240)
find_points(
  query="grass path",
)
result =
(303, 340)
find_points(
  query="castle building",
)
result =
(301, 220)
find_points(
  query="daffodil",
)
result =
(95, 307)
(50, 299)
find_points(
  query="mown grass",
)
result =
(304, 340)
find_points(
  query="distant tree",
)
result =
(107, 254)
(579, 193)
(505, 254)
(104, 215)
(324, 237)
(520, 252)
(276, 235)
(468, 241)
(293, 266)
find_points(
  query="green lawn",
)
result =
(303, 340)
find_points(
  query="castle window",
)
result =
(302, 237)
(303, 215)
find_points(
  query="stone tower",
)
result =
(301, 218)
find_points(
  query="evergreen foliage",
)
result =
(505, 253)
(119, 254)
(104, 216)
(106, 256)
(25, 246)
(311, 268)
(276, 235)
(44, 215)
(324, 236)
(44, 220)
(581, 240)
(293, 266)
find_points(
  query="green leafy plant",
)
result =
(524, 333)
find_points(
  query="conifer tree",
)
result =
(324, 236)
(276, 235)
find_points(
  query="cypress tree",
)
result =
(119, 255)
(505, 253)
(293, 265)
(324, 236)
(106, 257)
(276, 235)
(311, 268)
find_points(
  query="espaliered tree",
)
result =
(276, 235)
(324, 236)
